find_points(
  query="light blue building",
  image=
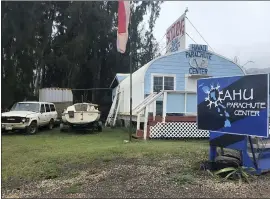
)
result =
(167, 85)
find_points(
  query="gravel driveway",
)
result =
(141, 178)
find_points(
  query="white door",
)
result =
(48, 113)
(42, 117)
(53, 112)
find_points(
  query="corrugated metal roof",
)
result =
(121, 76)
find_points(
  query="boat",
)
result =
(81, 115)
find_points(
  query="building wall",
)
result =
(137, 91)
(178, 64)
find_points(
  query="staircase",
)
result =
(147, 101)
(144, 106)
(111, 119)
(144, 102)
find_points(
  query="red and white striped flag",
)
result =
(123, 22)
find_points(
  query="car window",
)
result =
(52, 107)
(47, 107)
(42, 108)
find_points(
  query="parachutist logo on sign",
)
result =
(214, 98)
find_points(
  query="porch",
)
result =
(167, 114)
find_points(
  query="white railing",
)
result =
(145, 106)
(145, 101)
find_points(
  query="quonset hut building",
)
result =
(164, 92)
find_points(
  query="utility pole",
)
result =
(130, 82)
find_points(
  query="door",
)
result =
(42, 117)
(47, 114)
(53, 112)
(159, 108)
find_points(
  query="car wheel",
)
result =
(32, 128)
(51, 124)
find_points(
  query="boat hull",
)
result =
(81, 118)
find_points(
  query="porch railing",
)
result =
(178, 102)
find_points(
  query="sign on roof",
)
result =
(198, 56)
(176, 35)
(235, 105)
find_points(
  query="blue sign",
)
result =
(235, 105)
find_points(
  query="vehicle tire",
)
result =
(32, 128)
(51, 124)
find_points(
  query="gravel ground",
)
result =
(140, 178)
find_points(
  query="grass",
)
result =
(50, 154)
(72, 189)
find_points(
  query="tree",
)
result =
(69, 44)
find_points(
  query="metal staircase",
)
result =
(111, 119)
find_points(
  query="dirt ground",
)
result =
(138, 178)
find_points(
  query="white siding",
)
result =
(55, 95)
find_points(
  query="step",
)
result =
(136, 137)
(139, 133)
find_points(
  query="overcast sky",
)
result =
(231, 28)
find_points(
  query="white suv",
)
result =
(29, 116)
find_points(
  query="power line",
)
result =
(161, 39)
(199, 34)
(191, 38)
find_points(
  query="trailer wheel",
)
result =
(51, 124)
(61, 127)
(99, 128)
(64, 127)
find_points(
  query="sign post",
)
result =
(235, 109)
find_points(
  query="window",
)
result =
(42, 108)
(163, 83)
(47, 107)
(168, 83)
(158, 84)
(52, 107)
(22, 106)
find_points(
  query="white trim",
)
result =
(145, 122)
(185, 108)
(162, 75)
(198, 76)
(138, 121)
(177, 91)
(155, 110)
(164, 111)
(119, 74)
(187, 78)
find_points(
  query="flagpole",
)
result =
(130, 86)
